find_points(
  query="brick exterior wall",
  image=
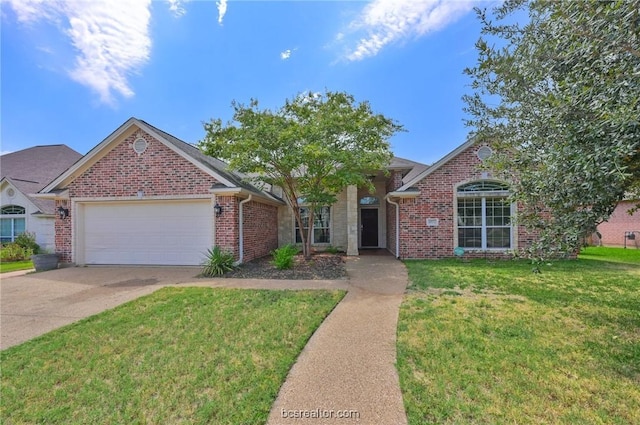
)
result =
(159, 171)
(613, 230)
(260, 229)
(62, 230)
(437, 200)
(227, 232)
(393, 183)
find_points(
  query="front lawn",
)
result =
(12, 266)
(180, 355)
(493, 343)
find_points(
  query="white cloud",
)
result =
(222, 10)
(285, 55)
(385, 22)
(176, 7)
(111, 38)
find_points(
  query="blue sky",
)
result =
(73, 71)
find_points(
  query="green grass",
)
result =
(13, 266)
(616, 255)
(493, 343)
(180, 355)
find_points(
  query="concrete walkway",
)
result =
(346, 373)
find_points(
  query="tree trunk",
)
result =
(306, 251)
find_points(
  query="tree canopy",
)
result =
(312, 147)
(560, 96)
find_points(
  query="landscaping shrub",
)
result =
(218, 262)
(27, 240)
(332, 249)
(283, 257)
(14, 252)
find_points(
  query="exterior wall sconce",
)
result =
(63, 213)
(218, 209)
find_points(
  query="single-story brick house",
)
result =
(142, 196)
(23, 173)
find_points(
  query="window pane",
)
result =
(498, 212)
(470, 238)
(321, 218)
(321, 225)
(5, 229)
(499, 237)
(321, 235)
(369, 200)
(470, 212)
(483, 186)
(18, 226)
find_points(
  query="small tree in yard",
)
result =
(312, 147)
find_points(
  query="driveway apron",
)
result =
(33, 304)
(347, 371)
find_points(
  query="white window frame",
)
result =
(296, 229)
(12, 217)
(483, 196)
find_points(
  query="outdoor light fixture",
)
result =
(218, 209)
(63, 213)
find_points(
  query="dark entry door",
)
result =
(369, 222)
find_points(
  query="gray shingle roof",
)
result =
(32, 169)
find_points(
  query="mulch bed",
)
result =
(321, 266)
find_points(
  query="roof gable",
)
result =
(211, 166)
(43, 206)
(426, 172)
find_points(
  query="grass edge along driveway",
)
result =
(493, 343)
(179, 355)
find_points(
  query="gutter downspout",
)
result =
(241, 227)
(397, 224)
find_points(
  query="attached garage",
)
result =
(141, 232)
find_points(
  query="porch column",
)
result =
(352, 220)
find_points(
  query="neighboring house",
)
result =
(142, 196)
(24, 173)
(621, 228)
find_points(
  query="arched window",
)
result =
(484, 215)
(12, 222)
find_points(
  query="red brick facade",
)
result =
(157, 171)
(260, 229)
(437, 200)
(62, 228)
(160, 171)
(613, 230)
(394, 182)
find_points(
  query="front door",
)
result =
(369, 226)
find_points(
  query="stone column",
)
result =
(352, 220)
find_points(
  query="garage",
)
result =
(144, 232)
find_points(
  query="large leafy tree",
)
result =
(560, 95)
(312, 147)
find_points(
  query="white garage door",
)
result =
(146, 233)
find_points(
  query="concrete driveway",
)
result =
(33, 304)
